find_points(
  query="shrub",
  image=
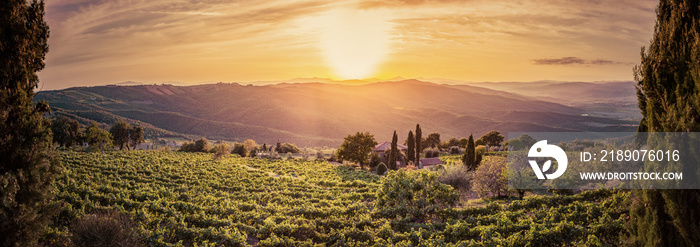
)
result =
(240, 149)
(413, 195)
(492, 176)
(381, 168)
(455, 150)
(457, 176)
(431, 152)
(201, 145)
(374, 160)
(104, 229)
(221, 150)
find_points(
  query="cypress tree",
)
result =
(393, 152)
(419, 136)
(411, 148)
(27, 167)
(469, 157)
(668, 90)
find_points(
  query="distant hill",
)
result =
(322, 114)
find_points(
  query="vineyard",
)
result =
(188, 199)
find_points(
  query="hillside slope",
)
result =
(322, 114)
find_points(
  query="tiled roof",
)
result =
(381, 147)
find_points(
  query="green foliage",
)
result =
(411, 148)
(240, 149)
(492, 176)
(66, 131)
(136, 136)
(457, 176)
(419, 145)
(520, 174)
(221, 150)
(381, 169)
(97, 138)
(201, 145)
(433, 140)
(27, 167)
(414, 195)
(431, 152)
(120, 134)
(492, 139)
(287, 148)
(189, 199)
(357, 148)
(393, 152)
(668, 88)
(469, 157)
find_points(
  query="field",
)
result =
(186, 199)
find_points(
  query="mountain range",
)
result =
(323, 113)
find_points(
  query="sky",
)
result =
(98, 42)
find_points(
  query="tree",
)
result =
(492, 177)
(136, 136)
(250, 144)
(97, 138)
(463, 142)
(527, 140)
(357, 148)
(523, 142)
(221, 150)
(433, 140)
(66, 131)
(419, 148)
(288, 148)
(240, 148)
(668, 89)
(27, 167)
(411, 148)
(393, 152)
(493, 138)
(120, 134)
(469, 157)
(201, 145)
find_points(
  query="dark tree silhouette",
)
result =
(357, 148)
(27, 167)
(669, 97)
(411, 148)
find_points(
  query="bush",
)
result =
(455, 150)
(457, 176)
(381, 168)
(221, 150)
(413, 195)
(240, 149)
(492, 176)
(201, 145)
(374, 160)
(104, 229)
(431, 152)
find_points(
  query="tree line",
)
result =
(68, 132)
(359, 147)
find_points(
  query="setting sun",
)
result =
(355, 42)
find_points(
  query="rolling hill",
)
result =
(322, 114)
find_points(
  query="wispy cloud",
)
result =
(103, 41)
(572, 61)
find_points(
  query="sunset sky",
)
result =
(97, 42)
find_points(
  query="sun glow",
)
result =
(355, 42)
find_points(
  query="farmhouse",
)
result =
(383, 148)
(425, 163)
